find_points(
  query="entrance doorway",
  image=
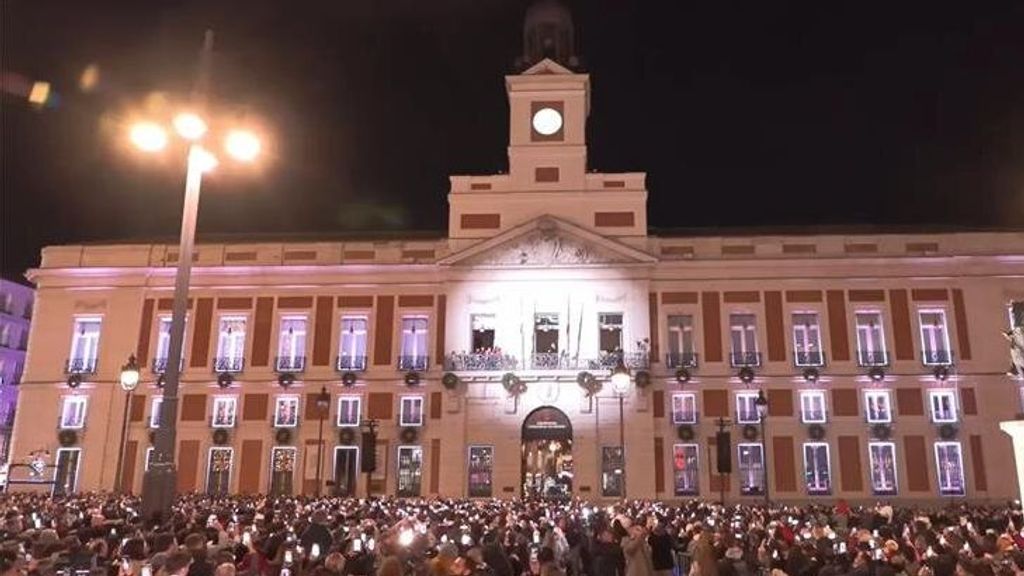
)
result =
(346, 460)
(547, 454)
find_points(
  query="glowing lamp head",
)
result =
(130, 374)
(547, 121)
(620, 379)
(189, 126)
(204, 160)
(148, 136)
(242, 145)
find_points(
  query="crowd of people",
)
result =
(102, 534)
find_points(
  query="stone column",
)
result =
(1015, 428)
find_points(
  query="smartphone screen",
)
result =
(287, 556)
(357, 545)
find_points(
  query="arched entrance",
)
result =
(547, 454)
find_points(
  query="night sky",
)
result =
(743, 114)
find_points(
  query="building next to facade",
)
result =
(15, 316)
(485, 354)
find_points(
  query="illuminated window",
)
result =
(414, 343)
(807, 339)
(681, 346)
(882, 459)
(224, 410)
(934, 338)
(943, 404)
(230, 344)
(743, 330)
(72, 414)
(751, 468)
(878, 406)
(684, 408)
(545, 333)
(746, 408)
(411, 411)
(352, 353)
(483, 332)
(817, 473)
(291, 345)
(348, 411)
(85, 345)
(163, 344)
(286, 411)
(410, 471)
(481, 471)
(610, 332)
(871, 339)
(812, 406)
(612, 471)
(686, 469)
(949, 465)
(154, 414)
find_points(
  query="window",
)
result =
(743, 330)
(751, 467)
(812, 406)
(410, 471)
(949, 465)
(878, 406)
(943, 403)
(352, 355)
(545, 334)
(154, 415)
(685, 469)
(414, 343)
(746, 408)
(218, 471)
(5, 334)
(612, 471)
(72, 414)
(807, 339)
(286, 411)
(483, 332)
(882, 459)
(291, 346)
(85, 345)
(150, 453)
(481, 471)
(230, 344)
(411, 411)
(610, 332)
(224, 408)
(1016, 311)
(934, 338)
(684, 408)
(348, 411)
(681, 348)
(163, 344)
(817, 475)
(870, 339)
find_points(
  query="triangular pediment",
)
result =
(547, 242)
(546, 66)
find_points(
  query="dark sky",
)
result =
(742, 113)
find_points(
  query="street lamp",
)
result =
(160, 480)
(129, 381)
(323, 403)
(620, 386)
(761, 404)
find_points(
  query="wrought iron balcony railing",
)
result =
(804, 358)
(480, 362)
(290, 364)
(936, 357)
(417, 363)
(871, 358)
(223, 364)
(349, 363)
(682, 360)
(80, 366)
(551, 361)
(609, 360)
(744, 359)
(160, 365)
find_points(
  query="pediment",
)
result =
(546, 66)
(547, 242)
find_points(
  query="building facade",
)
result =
(485, 355)
(15, 317)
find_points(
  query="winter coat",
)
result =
(638, 557)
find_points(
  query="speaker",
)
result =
(723, 445)
(368, 456)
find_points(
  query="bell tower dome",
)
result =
(548, 33)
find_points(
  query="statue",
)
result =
(1015, 336)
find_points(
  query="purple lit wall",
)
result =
(16, 302)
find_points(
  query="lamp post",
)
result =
(620, 386)
(129, 381)
(761, 403)
(323, 403)
(160, 481)
(369, 448)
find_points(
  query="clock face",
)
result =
(547, 121)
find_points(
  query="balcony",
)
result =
(744, 359)
(289, 364)
(232, 364)
(812, 358)
(414, 363)
(349, 363)
(159, 365)
(872, 358)
(493, 361)
(80, 366)
(681, 360)
(552, 361)
(936, 357)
